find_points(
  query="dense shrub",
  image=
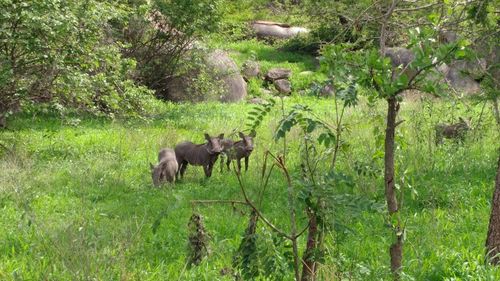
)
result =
(54, 52)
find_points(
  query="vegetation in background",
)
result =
(76, 197)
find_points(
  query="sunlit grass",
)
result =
(77, 201)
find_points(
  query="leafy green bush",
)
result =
(55, 52)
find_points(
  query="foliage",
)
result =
(53, 52)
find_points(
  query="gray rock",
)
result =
(224, 73)
(225, 69)
(265, 91)
(458, 79)
(278, 73)
(283, 86)
(250, 69)
(276, 30)
(447, 36)
(401, 58)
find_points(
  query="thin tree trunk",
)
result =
(493, 238)
(396, 249)
(309, 263)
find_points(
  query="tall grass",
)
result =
(77, 201)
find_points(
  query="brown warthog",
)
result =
(199, 154)
(452, 131)
(237, 150)
(166, 168)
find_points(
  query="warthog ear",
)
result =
(253, 133)
(221, 136)
(207, 137)
(151, 166)
(241, 135)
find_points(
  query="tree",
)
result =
(389, 71)
(493, 238)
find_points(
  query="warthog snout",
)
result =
(213, 144)
(247, 140)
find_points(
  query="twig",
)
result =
(194, 202)
(399, 123)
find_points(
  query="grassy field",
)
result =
(77, 201)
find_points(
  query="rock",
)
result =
(278, 73)
(446, 36)
(250, 69)
(401, 57)
(277, 30)
(283, 86)
(265, 91)
(458, 80)
(235, 88)
(223, 72)
(256, 101)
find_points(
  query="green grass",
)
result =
(303, 66)
(77, 202)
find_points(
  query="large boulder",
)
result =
(224, 75)
(278, 73)
(276, 30)
(226, 70)
(457, 77)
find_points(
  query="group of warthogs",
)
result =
(173, 162)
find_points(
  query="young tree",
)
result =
(389, 71)
(493, 238)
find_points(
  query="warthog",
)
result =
(199, 154)
(237, 150)
(166, 168)
(452, 131)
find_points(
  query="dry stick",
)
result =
(194, 202)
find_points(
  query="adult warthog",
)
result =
(199, 154)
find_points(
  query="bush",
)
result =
(55, 52)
